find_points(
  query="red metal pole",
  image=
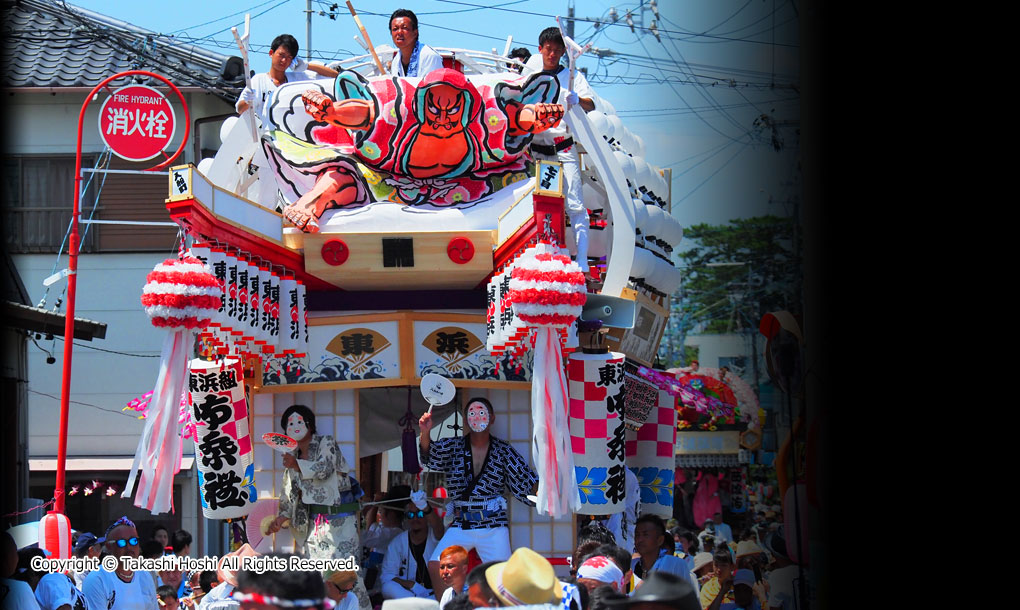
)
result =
(72, 277)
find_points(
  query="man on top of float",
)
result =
(478, 468)
(283, 54)
(414, 58)
(556, 144)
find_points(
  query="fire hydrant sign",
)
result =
(137, 122)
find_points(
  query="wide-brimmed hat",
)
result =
(702, 559)
(525, 579)
(747, 547)
(661, 588)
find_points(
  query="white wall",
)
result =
(42, 123)
(109, 291)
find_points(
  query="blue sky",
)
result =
(725, 63)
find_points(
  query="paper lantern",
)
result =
(223, 447)
(642, 396)
(55, 535)
(271, 308)
(440, 494)
(181, 293)
(302, 317)
(650, 455)
(599, 122)
(595, 385)
(250, 273)
(288, 315)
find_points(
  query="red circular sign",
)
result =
(460, 250)
(335, 252)
(137, 122)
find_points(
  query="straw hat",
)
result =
(748, 547)
(701, 560)
(525, 579)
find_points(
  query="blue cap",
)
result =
(85, 540)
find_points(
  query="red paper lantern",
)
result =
(55, 535)
(181, 293)
(547, 290)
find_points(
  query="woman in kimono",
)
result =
(319, 502)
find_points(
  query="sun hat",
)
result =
(702, 559)
(526, 578)
(747, 547)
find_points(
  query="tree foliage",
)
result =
(728, 297)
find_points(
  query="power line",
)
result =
(84, 404)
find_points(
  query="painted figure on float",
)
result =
(442, 140)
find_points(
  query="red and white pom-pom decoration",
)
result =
(547, 289)
(181, 293)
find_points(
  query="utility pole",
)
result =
(308, 30)
(570, 19)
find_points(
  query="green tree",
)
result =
(734, 273)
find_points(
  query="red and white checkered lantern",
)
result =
(596, 390)
(181, 293)
(55, 535)
(650, 454)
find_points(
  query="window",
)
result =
(38, 197)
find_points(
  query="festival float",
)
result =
(431, 255)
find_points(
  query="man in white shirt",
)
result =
(56, 589)
(404, 571)
(453, 563)
(722, 530)
(556, 144)
(13, 593)
(122, 589)
(283, 54)
(413, 58)
(221, 596)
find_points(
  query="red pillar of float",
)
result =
(72, 266)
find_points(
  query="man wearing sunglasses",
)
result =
(405, 571)
(122, 589)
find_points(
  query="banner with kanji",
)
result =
(223, 443)
(596, 409)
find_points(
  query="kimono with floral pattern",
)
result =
(323, 479)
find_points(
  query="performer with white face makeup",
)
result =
(479, 468)
(319, 502)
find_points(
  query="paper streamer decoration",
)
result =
(547, 292)
(596, 390)
(223, 449)
(650, 454)
(180, 295)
